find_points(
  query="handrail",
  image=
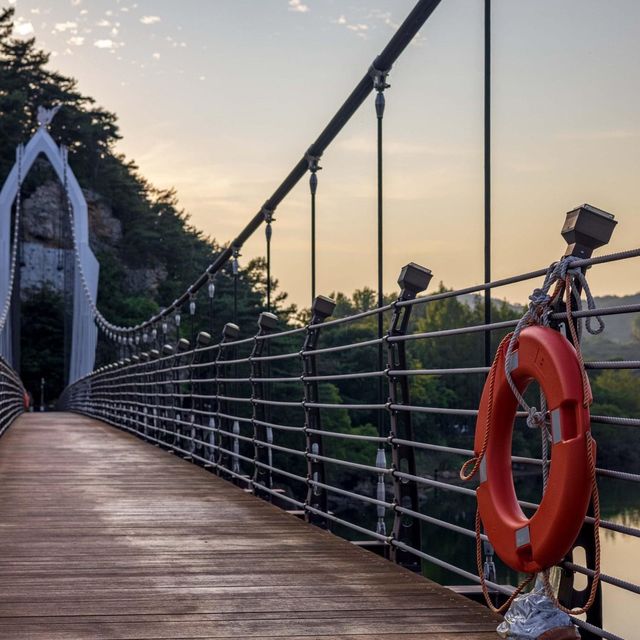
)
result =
(13, 397)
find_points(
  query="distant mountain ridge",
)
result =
(615, 343)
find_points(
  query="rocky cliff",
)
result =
(46, 250)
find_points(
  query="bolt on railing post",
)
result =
(262, 477)
(321, 309)
(230, 333)
(413, 279)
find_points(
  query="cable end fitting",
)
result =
(313, 161)
(379, 77)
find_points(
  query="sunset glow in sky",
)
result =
(220, 98)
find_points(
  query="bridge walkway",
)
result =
(103, 536)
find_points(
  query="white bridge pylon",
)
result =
(84, 332)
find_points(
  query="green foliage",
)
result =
(617, 393)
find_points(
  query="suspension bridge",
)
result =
(201, 487)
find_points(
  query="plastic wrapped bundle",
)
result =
(534, 616)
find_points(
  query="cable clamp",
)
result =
(313, 161)
(379, 77)
(267, 213)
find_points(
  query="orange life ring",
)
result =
(533, 544)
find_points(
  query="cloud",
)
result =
(22, 28)
(105, 44)
(298, 5)
(155, 56)
(385, 17)
(150, 19)
(76, 41)
(65, 26)
(359, 28)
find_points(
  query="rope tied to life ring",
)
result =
(570, 281)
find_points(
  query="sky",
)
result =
(220, 98)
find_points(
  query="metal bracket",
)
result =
(267, 214)
(379, 77)
(313, 161)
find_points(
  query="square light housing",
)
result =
(585, 229)
(267, 321)
(413, 279)
(321, 308)
(230, 331)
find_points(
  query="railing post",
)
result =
(321, 309)
(167, 391)
(177, 375)
(154, 357)
(133, 409)
(262, 476)
(230, 332)
(412, 280)
(123, 393)
(144, 384)
(585, 229)
(198, 405)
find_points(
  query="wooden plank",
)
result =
(106, 537)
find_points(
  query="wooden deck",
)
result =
(105, 536)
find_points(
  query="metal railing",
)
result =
(276, 415)
(12, 396)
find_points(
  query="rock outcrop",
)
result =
(46, 241)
